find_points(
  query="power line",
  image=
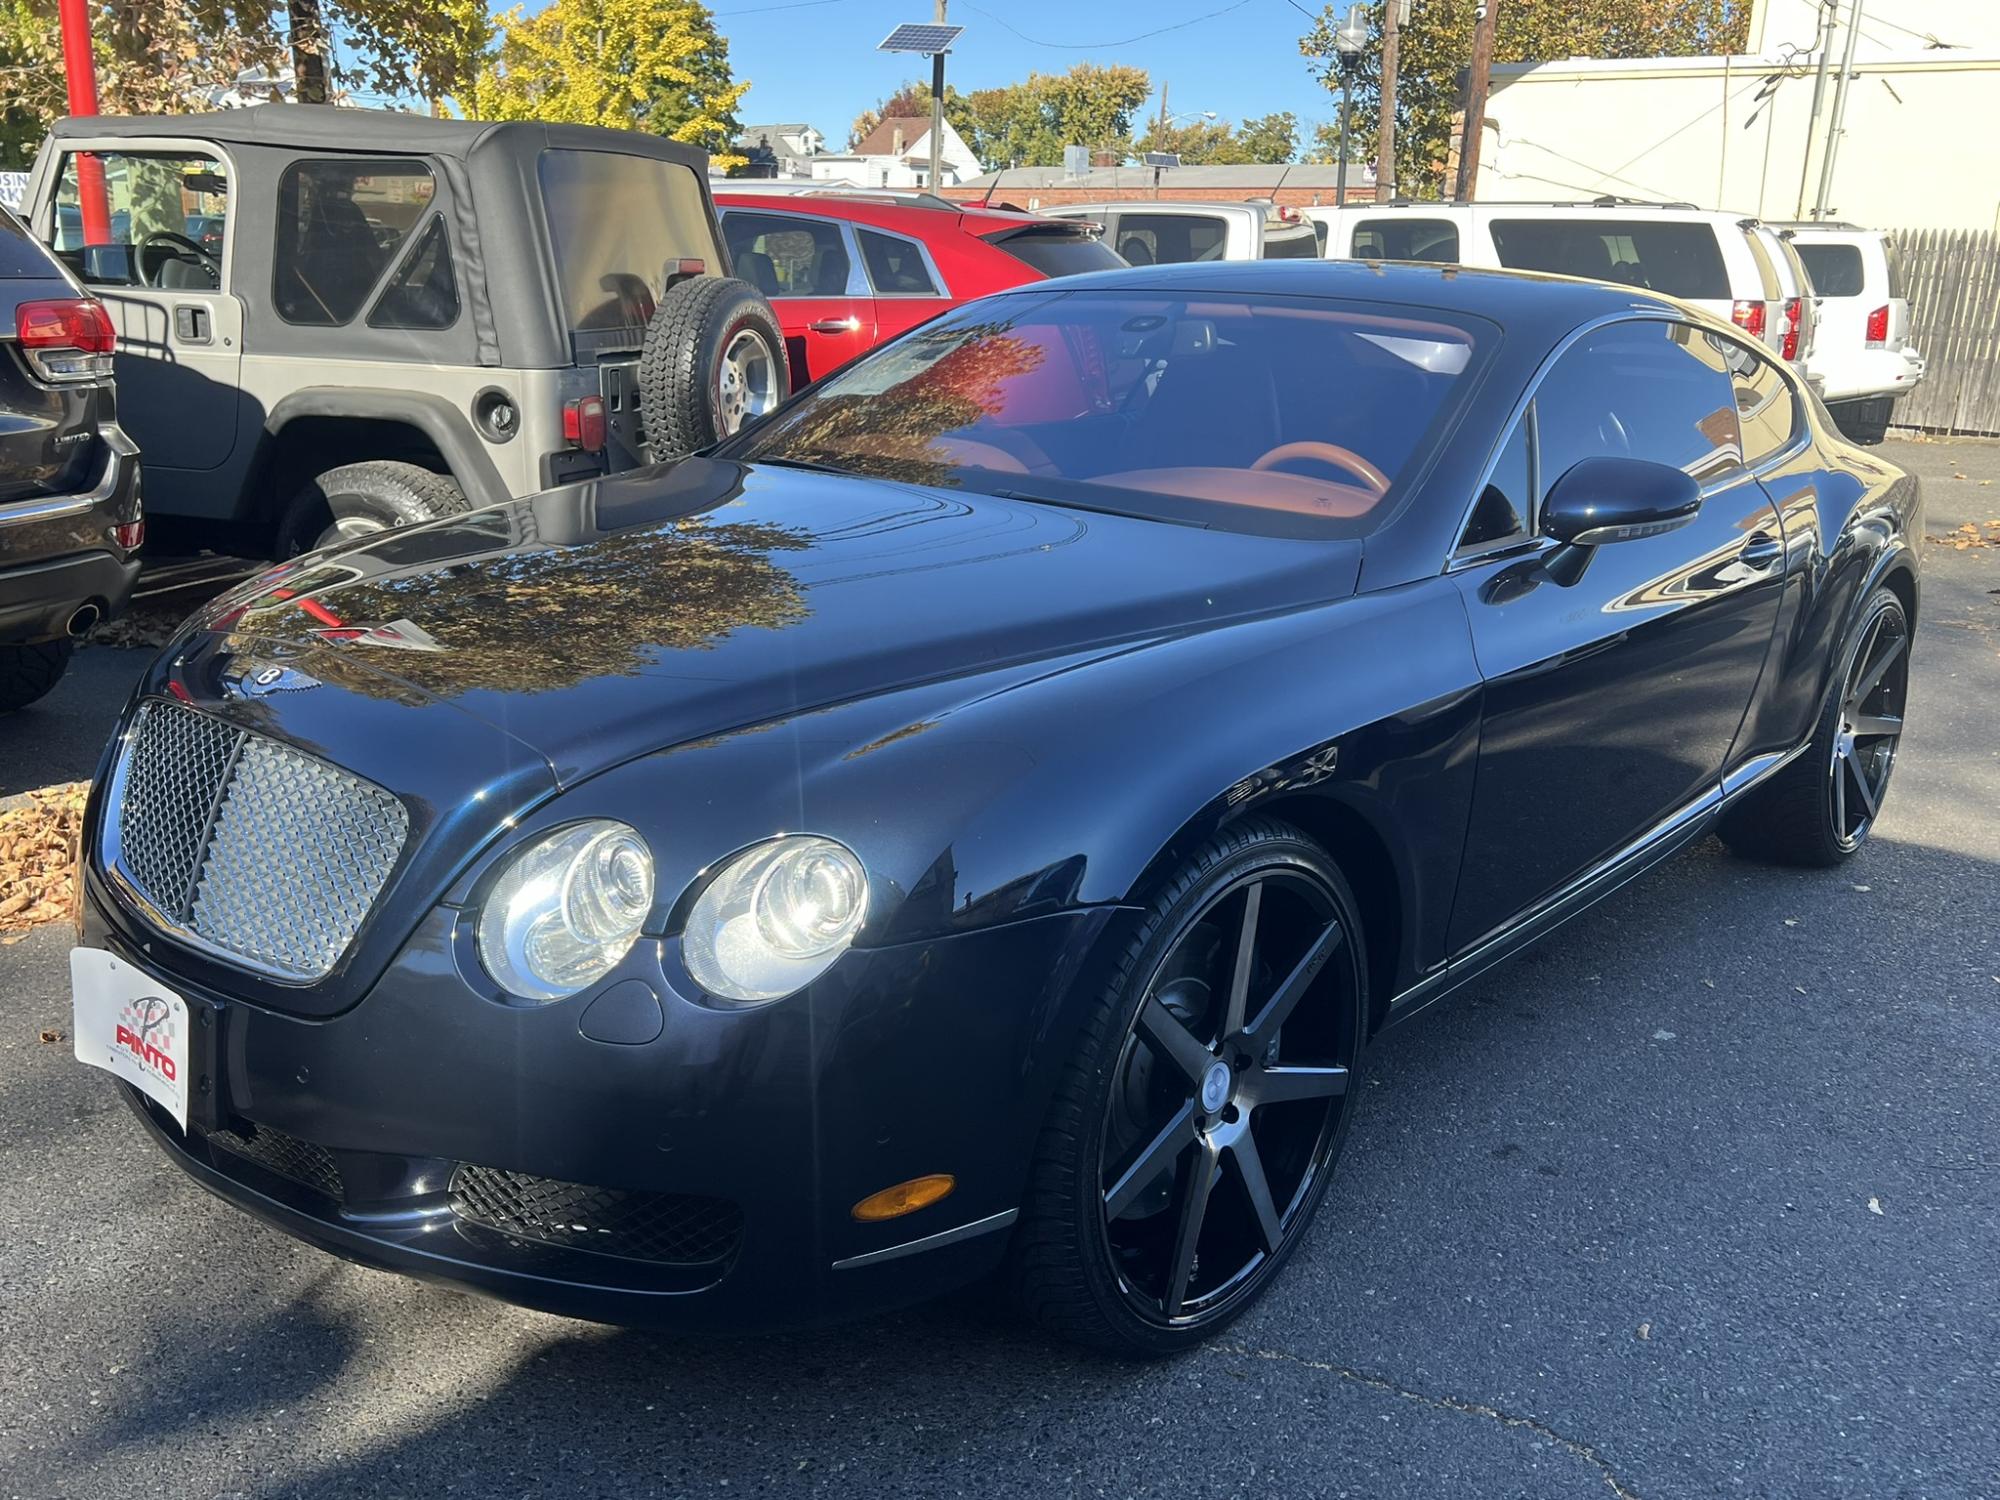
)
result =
(1035, 41)
(758, 10)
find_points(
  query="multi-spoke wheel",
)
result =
(1201, 1118)
(1820, 808)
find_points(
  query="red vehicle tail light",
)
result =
(1748, 316)
(129, 534)
(1795, 311)
(583, 423)
(66, 340)
(1878, 328)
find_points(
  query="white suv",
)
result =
(1863, 360)
(1148, 232)
(1734, 267)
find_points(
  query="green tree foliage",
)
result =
(653, 65)
(1435, 45)
(1271, 138)
(1027, 124)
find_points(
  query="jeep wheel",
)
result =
(357, 500)
(714, 359)
(28, 672)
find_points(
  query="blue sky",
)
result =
(816, 61)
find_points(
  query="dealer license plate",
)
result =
(132, 1026)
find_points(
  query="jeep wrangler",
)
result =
(332, 321)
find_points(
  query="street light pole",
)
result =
(1348, 44)
(937, 106)
(80, 75)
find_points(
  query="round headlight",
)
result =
(775, 918)
(566, 909)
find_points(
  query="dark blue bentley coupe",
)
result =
(975, 819)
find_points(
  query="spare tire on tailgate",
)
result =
(714, 358)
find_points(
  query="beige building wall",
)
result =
(1731, 132)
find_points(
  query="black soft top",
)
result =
(322, 127)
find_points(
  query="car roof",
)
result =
(1511, 298)
(322, 127)
(915, 219)
(1154, 205)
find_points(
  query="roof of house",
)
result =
(881, 141)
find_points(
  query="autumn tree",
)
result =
(911, 101)
(1435, 44)
(652, 65)
(1270, 139)
(1028, 124)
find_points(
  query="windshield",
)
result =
(1217, 409)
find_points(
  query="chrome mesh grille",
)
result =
(258, 849)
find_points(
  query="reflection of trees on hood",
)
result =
(894, 434)
(549, 617)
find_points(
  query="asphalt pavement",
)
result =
(1701, 1198)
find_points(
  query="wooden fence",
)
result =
(1952, 278)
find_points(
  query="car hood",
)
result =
(605, 620)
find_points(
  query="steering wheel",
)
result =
(1326, 453)
(207, 260)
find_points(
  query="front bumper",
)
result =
(748, 1132)
(60, 552)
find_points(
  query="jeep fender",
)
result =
(449, 429)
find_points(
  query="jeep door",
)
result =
(160, 263)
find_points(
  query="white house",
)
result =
(897, 153)
(1732, 132)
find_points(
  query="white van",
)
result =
(1734, 267)
(1149, 232)
(1863, 360)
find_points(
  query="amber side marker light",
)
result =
(904, 1198)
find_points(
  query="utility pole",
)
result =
(1385, 133)
(1475, 101)
(1826, 11)
(1839, 120)
(937, 108)
(1160, 130)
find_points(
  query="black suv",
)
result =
(332, 321)
(70, 524)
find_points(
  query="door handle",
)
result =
(1762, 551)
(191, 324)
(834, 325)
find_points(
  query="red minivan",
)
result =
(847, 271)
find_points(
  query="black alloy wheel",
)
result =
(1822, 806)
(1870, 724)
(1201, 1124)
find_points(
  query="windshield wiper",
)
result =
(1132, 512)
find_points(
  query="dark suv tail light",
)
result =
(1795, 311)
(68, 340)
(1878, 328)
(1748, 316)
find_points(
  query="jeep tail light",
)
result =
(129, 534)
(66, 340)
(1878, 328)
(1795, 311)
(583, 423)
(1748, 316)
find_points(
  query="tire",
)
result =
(1821, 808)
(29, 672)
(1098, 1255)
(696, 384)
(357, 500)
(1864, 422)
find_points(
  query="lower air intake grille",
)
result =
(258, 849)
(288, 1156)
(673, 1228)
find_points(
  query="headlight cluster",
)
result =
(775, 918)
(570, 905)
(566, 909)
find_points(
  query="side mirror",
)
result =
(1599, 500)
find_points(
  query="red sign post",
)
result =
(80, 70)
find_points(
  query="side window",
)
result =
(1401, 238)
(1651, 390)
(1170, 239)
(1835, 269)
(788, 257)
(1678, 258)
(341, 222)
(424, 293)
(165, 216)
(1765, 409)
(895, 266)
(1503, 507)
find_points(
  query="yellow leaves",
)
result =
(1970, 535)
(652, 65)
(38, 843)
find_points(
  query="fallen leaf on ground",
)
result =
(38, 842)
(1875, 1206)
(50, 1035)
(1645, 1330)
